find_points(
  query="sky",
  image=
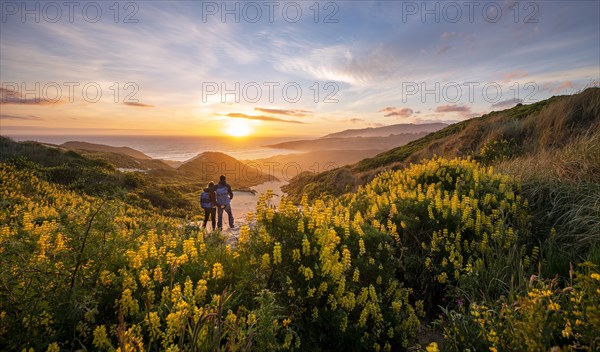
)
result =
(274, 68)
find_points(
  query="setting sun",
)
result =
(237, 128)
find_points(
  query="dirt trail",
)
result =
(244, 202)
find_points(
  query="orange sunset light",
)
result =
(237, 128)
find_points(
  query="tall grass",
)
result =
(563, 189)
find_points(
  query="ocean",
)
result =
(177, 148)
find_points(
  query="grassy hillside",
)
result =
(105, 148)
(124, 161)
(147, 183)
(95, 173)
(520, 132)
(208, 166)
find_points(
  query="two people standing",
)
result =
(216, 199)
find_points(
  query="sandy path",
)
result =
(244, 202)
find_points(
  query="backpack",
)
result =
(205, 201)
(222, 196)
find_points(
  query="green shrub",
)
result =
(547, 317)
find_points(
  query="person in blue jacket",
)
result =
(224, 197)
(208, 201)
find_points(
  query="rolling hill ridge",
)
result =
(403, 128)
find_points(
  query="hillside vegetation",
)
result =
(146, 183)
(521, 132)
(362, 272)
(494, 250)
(105, 148)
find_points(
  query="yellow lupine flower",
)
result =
(158, 276)
(296, 256)
(266, 261)
(251, 319)
(101, 340)
(361, 247)
(144, 278)
(356, 275)
(347, 260)
(305, 246)
(217, 271)
(432, 347)
(277, 253)
(553, 306)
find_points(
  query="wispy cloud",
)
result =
(443, 49)
(557, 87)
(238, 115)
(9, 96)
(400, 112)
(170, 53)
(452, 108)
(20, 117)
(138, 105)
(296, 113)
(463, 110)
(448, 35)
(511, 76)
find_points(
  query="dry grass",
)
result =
(563, 188)
(577, 162)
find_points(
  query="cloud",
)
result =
(452, 108)
(447, 35)
(557, 87)
(510, 76)
(138, 105)
(297, 112)
(444, 49)
(9, 96)
(19, 117)
(507, 103)
(462, 110)
(9, 93)
(238, 115)
(400, 112)
(355, 120)
(362, 66)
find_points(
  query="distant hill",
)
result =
(388, 130)
(172, 163)
(523, 131)
(290, 165)
(125, 161)
(208, 166)
(154, 182)
(73, 145)
(356, 143)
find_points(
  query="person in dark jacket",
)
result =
(224, 197)
(208, 201)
